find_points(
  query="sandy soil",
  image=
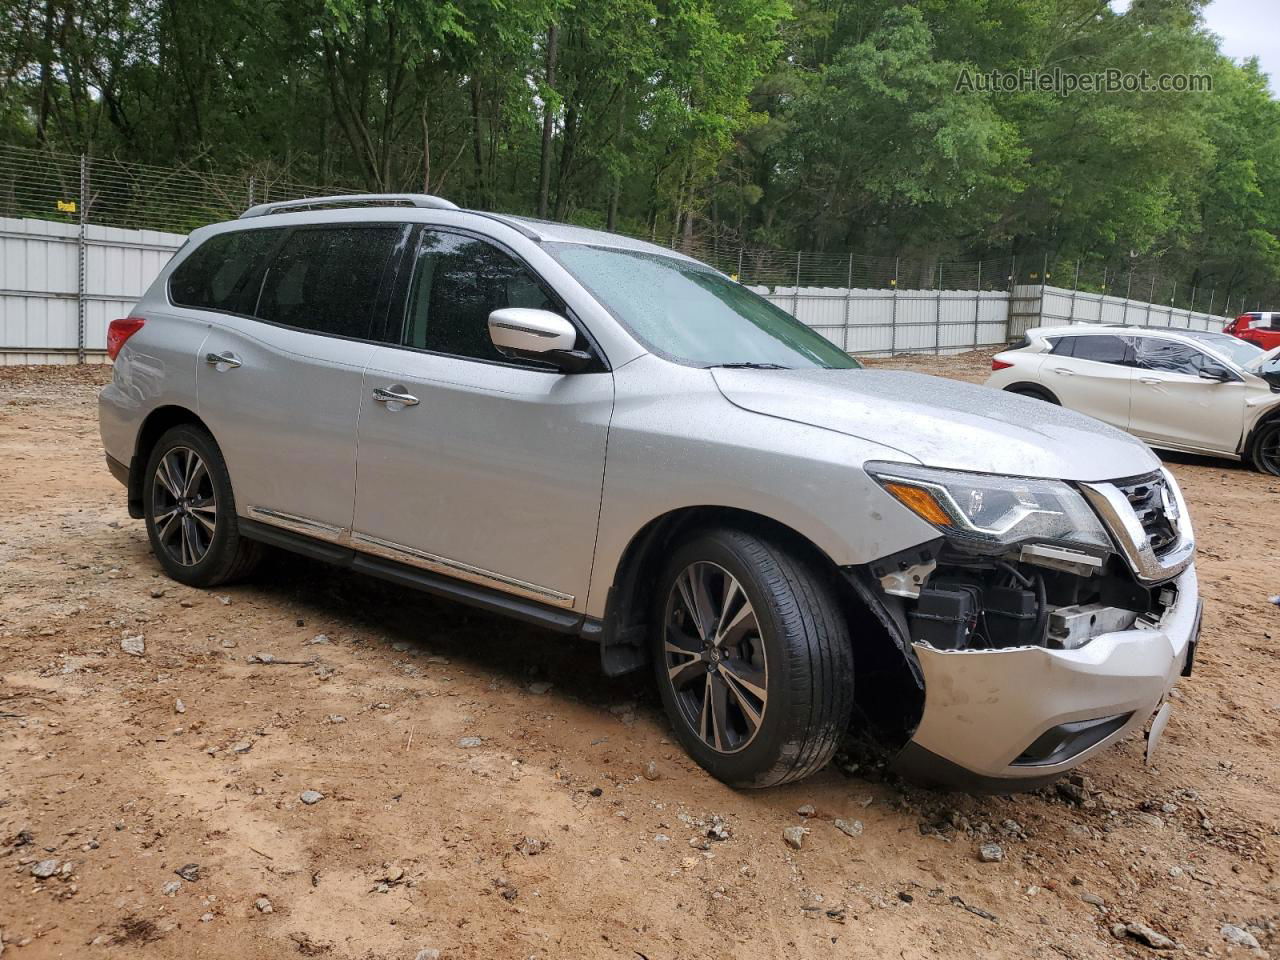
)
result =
(122, 769)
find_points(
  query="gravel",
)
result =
(44, 869)
(852, 828)
(1240, 937)
(794, 836)
(134, 646)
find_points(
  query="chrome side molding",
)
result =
(459, 570)
(303, 525)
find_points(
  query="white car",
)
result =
(1189, 390)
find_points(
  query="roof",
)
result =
(1114, 329)
(405, 206)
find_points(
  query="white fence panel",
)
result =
(1061, 306)
(40, 285)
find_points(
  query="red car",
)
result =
(1262, 329)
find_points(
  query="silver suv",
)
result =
(614, 441)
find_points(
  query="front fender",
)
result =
(675, 442)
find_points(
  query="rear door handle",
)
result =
(1153, 381)
(395, 395)
(1064, 371)
(228, 359)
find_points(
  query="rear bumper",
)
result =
(1006, 720)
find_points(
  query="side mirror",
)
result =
(540, 335)
(1215, 372)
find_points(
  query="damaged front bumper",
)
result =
(1000, 720)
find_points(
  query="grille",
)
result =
(1151, 501)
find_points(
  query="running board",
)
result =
(440, 585)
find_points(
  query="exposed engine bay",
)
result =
(1034, 596)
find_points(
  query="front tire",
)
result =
(191, 512)
(1266, 448)
(753, 658)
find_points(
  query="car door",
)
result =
(470, 464)
(280, 384)
(1092, 373)
(1266, 331)
(1173, 404)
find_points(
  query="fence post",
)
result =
(1075, 284)
(1150, 296)
(893, 319)
(740, 264)
(253, 190)
(1128, 289)
(1044, 283)
(1212, 293)
(848, 297)
(937, 316)
(1173, 295)
(81, 259)
(1226, 307)
(795, 297)
(977, 306)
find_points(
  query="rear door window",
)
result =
(327, 279)
(1103, 349)
(216, 274)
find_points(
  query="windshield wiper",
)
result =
(747, 365)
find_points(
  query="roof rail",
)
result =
(352, 199)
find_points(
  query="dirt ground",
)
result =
(441, 738)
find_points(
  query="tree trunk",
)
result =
(477, 139)
(46, 77)
(548, 123)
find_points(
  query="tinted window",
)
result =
(1102, 349)
(1065, 346)
(213, 276)
(1171, 356)
(327, 279)
(457, 282)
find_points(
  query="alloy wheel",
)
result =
(715, 658)
(183, 506)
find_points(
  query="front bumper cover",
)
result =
(985, 709)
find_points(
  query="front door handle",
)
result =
(395, 395)
(227, 360)
(1153, 381)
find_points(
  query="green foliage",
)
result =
(829, 125)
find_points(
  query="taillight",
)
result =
(1000, 364)
(119, 331)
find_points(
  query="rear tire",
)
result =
(1265, 450)
(753, 658)
(191, 512)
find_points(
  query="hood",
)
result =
(1256, 363)
(944, 423)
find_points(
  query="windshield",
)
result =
(1239, 352)
(692, 314)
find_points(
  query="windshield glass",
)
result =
(692, 314)
(1237, 351)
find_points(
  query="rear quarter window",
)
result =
(214, 276)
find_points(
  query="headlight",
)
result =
(990, 511)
